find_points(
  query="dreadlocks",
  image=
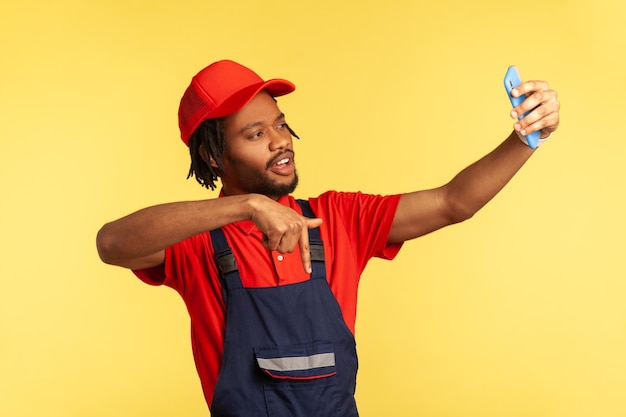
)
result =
(210, 138)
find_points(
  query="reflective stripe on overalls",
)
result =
(287, 349)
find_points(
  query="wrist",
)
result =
(253, 204)
(541, 141)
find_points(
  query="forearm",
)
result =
(422, 212)
(477, 184)
(151, 230)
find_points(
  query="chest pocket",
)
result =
(299, 362)
(299, 380)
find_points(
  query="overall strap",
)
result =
(225, 262)
(315, 243)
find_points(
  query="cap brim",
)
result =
(275, 87)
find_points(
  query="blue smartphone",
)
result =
(512, 80)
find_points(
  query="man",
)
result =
(270, 283)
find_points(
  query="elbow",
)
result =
(459, 212)
(105, 244)
(464, 214)
(460, 217)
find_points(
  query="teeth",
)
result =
(282, 161)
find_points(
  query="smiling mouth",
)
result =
(281, 160)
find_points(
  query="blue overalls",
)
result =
(287, 349)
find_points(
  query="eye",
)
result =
(256, 135)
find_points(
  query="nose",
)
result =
(279, 139)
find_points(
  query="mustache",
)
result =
(288, 153)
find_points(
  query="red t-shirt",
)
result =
(355, 228)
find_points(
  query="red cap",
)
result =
(221, 89)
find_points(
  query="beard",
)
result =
(259, 182)
(263, 185)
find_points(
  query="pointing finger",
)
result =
(305, 249)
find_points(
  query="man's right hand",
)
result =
(283, 228)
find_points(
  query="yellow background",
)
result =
(519, 312)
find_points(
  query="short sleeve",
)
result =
(184, 263)
(366, 219)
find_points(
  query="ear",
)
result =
(208, 159)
